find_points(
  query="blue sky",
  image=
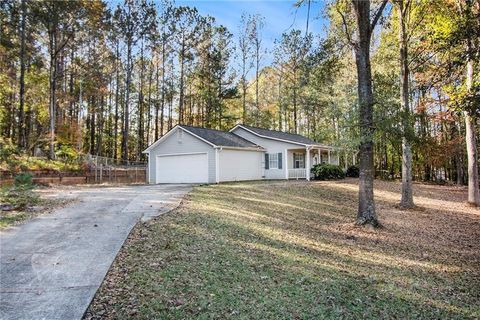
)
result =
(280, 15)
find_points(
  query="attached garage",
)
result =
(198, 155)
(182, 168)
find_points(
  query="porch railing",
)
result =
(297, 173)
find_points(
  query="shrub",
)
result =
(24, 180)
(7, 149)
(67, 153)
(327, 172)
(353, 172)
(20, 195)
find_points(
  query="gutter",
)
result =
(260, 149)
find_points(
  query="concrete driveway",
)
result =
(51, 266)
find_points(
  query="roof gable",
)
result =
(215, 138)
(278, 135)
(220, 138)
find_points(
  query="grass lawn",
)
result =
(289, 250)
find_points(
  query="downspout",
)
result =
(217, 164)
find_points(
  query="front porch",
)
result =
(300, 161)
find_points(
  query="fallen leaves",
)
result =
(268, 250)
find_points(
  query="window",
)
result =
(298, 160)
(273, 160)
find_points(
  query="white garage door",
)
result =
(182, 168)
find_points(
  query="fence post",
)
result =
(135, 175)
(101, 172)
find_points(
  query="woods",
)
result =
(397, 80)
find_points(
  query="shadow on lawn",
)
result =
(410, 261)
(316, 210)
(290, 250)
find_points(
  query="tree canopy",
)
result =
(109, 79)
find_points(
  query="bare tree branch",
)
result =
(378, 15)
(345, 25)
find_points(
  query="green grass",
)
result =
(290, 251)
(44, 206)
(12, 218)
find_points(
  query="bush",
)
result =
(24, 180)
(7, 149)
(20, 195)
(327, 172)
(67, 153)
(353, 172)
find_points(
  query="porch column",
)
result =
(286, 164)
(308, 165)
(329, 162)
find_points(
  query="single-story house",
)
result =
(188, 154)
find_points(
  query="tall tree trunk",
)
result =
(52, 82)
(162, 106)
(109, 133)
(100, 127)
(157, 100)
(470, 117)
(366, 204)
(280, 107)
(117, 88)
(181, 84)
(140, 106)
(471, 141)
(295, 116)
(149, 108)
(126, 115)
(21, 111)
(407, 192)
(71, 88)
(244, 99)
(92, 126)
(257, 72)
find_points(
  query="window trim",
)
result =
(273, 159)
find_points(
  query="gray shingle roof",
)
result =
(281, 135)
(220, 138)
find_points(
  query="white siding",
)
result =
(237, 165)
(272, 146)
(188, 144)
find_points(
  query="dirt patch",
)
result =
(49, 200)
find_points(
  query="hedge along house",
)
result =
(189, 154)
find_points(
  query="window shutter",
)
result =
(279, 160)
(267, 164)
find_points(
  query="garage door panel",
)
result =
(182, 168)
